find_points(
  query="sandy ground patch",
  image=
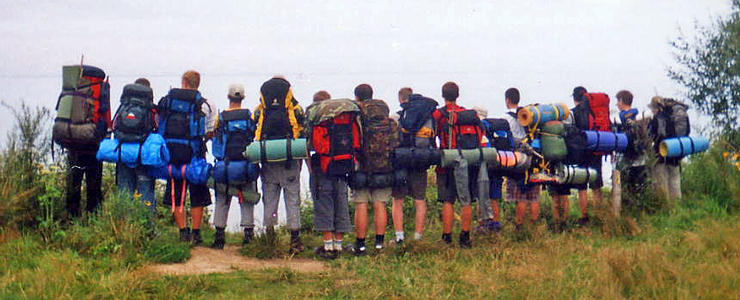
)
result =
(205, 260)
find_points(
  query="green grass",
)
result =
(691, 252)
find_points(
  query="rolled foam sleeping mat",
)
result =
(361, 180)
(412, 157)
(275, 150)
(239, 172)
(553, 147)
(473, 156)
(533, 115)
(569, 174)
(517, 162)
(605, 141)
(683, 146)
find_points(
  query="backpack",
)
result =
(678, 119)
(463, 128)
(182, 124)
(336, 142)
(380, 136)
(234, 133)
(277, 112)
(133, 120)
(84, 99)
(499, 134)
(598, 103)
(416, 123)
(575, 142)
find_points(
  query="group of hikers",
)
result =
(353, 148)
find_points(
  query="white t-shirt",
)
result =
(516, 130)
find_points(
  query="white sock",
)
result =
(328, 245)
(399, 236)
(338, 245)
(418, 236)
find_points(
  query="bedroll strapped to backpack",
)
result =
(379, 136)
(196, 172)
(152, 152)
(416, 123)
(84, 99)
(134, 120)
(361, 180)
(182, 124)
(334, 130)
(277, 112)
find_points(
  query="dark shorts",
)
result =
(199, 194)
(416, 187)
(593, 162)
(559, 189)
(446, 189)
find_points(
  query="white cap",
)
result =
(236, 91)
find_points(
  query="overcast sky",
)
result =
(545, 49)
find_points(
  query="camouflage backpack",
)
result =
(380, 137)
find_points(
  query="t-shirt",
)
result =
(517, 130)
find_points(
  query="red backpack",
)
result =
(465, 128)
(599, 117)
(336, 141)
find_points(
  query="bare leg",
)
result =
(583, 202)
(534, 211)
(521, 210)
(197, 214)
(397, 214)
(381, 217)
(361, 219)
(496, 211)
(447, 217)
(466, 217)
(421, 215)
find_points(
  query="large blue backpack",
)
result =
(498, 134)
(182, 124)
(234, 133)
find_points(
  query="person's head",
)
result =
(236, 93)
(655, 104)
(482, 112)
(143, 81)
(450, 91)
(321, 96)
(578, 93)
(363, 92)
(190, 80)
(624, 100)
(404, 93)
(512, 98)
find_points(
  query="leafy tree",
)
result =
(709, 69)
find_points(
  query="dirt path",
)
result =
(205, 260)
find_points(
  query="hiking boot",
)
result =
(359, 248)
(518, 227)
(465, 240)
(583, 221)
(555, 228)
(326, 254)
(185, 235)
(379, 239)
(495, 227)
(447, 238)
(195, 238)
(248, 235)
(295, 245)
(219, 239)
(484, 226)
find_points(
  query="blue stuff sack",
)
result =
(239, 172)
(198, 171)
(154, 151)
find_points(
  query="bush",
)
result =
(710, 176)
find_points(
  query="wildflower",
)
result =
(725, 154)
(148, 203)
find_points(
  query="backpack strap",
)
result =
(288, 153)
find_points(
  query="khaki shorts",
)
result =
(374, 195)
